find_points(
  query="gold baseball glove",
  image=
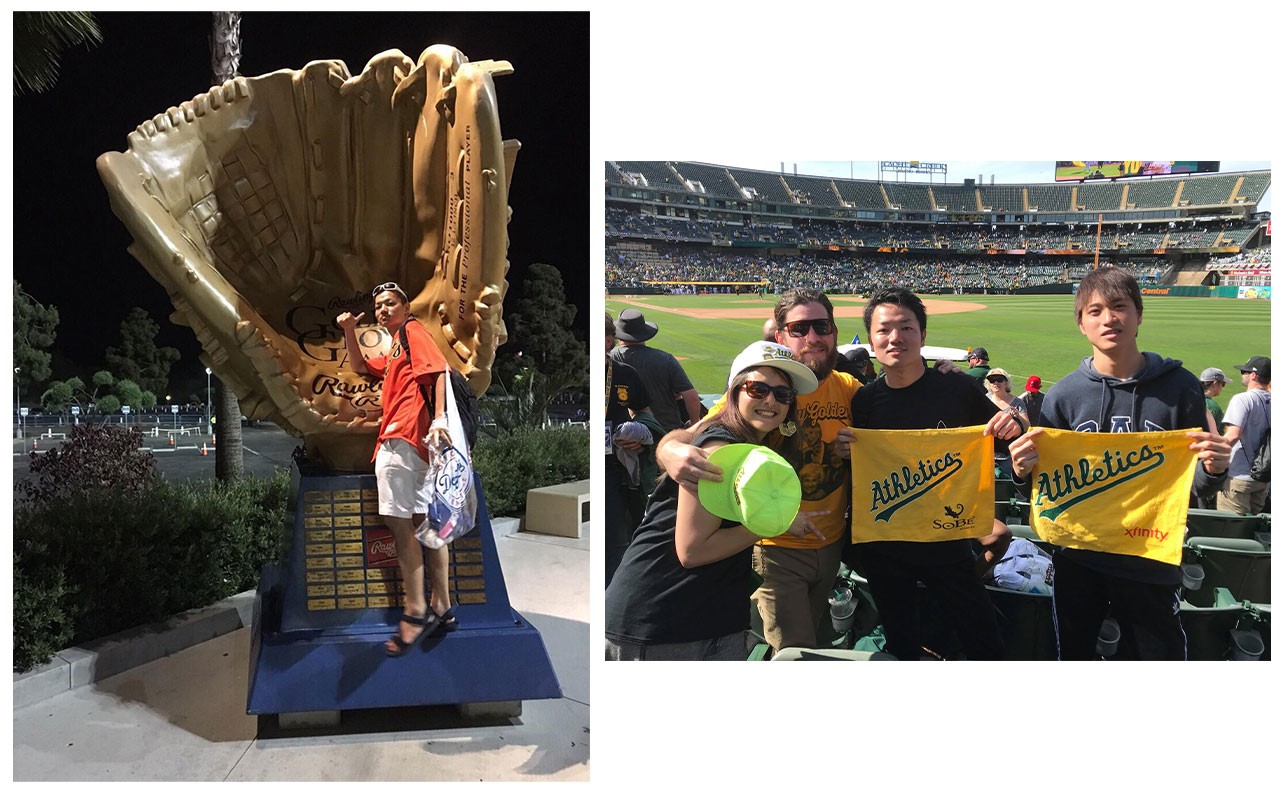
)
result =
(270, 204)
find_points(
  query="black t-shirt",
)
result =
(626, 390)
(935, 401)
(653, 599)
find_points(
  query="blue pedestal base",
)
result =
(304, 659)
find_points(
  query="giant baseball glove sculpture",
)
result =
(270, 204)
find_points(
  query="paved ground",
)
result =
(182, 718)
(266, 447)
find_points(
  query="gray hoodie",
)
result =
(1163, 396)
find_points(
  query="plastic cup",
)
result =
(842, 607)
(1192, 576)
(1108, 638)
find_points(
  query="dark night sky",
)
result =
(70, 250)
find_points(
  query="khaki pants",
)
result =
(792, 601)
(1243, 496)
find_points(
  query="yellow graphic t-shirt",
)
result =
(824, 477)
(923, 485)
(1116, 492)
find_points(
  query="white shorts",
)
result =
(402, 480)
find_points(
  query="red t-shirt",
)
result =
(402, 404)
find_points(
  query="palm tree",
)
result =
(224, 50)
(39, 38)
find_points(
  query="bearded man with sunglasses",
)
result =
(798, 571)
(409, 429)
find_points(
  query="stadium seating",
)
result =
(656, 174)
(862, 194)
(1243, 567)
(1229, 525)
(1099, 197)
(810, 190)
(1049, 197)
(956, 198)
(1254, 185)
(767, 186)
(1003, 198)
(1208, 190)
(1153, 194)
(909, 197)
(714, 178)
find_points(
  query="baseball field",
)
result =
(1026, 335)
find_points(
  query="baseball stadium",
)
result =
(703, 251)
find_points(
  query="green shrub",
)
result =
(39, 607)
(132, 558)
(514, 464)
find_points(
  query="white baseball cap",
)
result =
(767, 353)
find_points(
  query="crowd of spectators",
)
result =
(633, 266)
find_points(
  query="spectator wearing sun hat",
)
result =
(683, 588)
(663, 376)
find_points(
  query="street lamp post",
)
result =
(168, 399)
(208, 386)
(16, 402)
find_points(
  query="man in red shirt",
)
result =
(407, 432)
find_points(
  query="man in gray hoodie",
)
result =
(1120, 389)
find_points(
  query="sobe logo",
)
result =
(955, 519)
(909, 483)
(1075, 482)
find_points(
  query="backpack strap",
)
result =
(408, 356)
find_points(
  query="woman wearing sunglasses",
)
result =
(1000, 392)
(682, 590)
(410, 427)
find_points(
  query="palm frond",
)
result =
(40, 38)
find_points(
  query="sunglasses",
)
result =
(389, 286)
(997, 379)
(759, 390)
(800, 328)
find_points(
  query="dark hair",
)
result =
(608, 325)
(1111, 284)
(799, 297)
(731, 419)
(898, 296)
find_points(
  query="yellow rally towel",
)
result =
(922, 485)
(1115, 492)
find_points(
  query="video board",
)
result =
(1079, 170)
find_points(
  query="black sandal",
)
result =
(402, 646)
(438, 624)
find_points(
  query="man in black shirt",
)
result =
(624, 503)
(912, 396)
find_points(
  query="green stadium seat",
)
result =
(1215, 523)
(1241, 566)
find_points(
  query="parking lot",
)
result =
(266, 448)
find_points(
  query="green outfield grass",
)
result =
(1031, 334)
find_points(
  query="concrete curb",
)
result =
(111, 655)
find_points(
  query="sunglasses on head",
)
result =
(757, 389)
(800, 328)
(389, 286)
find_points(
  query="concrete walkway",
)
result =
(182, 717)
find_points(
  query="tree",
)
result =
(128, 393)
(34, 330)
(147, 399)
(540, 332)
(39, 38)
(108, 404)
(58, 396)
(138, 358)
(224, 51)
(542, 356)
